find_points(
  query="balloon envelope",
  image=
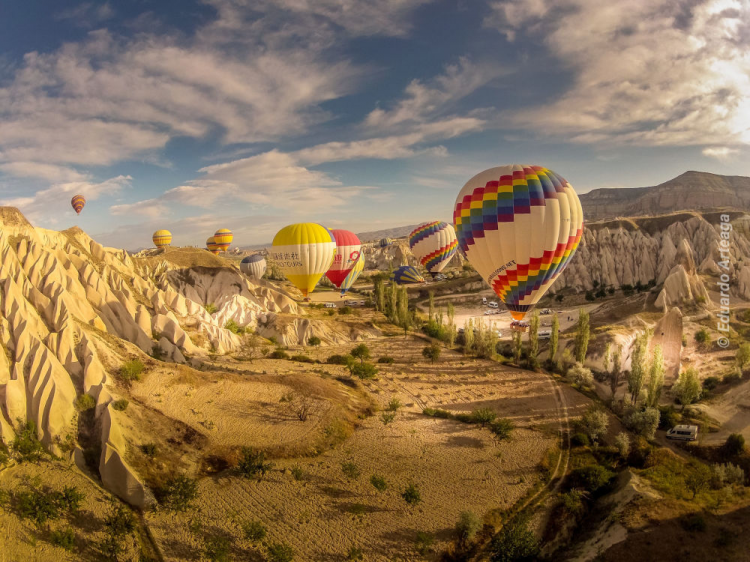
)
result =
(211, 246)
(385, 242)
(405, 275)
(162, 238)
(519, 226)
(303, 252)
(350, 279)
(223, 238)
(253, 266)
(433, 244)
(348, 251)
(78, 202)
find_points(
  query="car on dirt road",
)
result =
(683, 433)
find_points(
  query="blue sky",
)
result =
(252, 114)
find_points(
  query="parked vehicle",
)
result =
(492, 304)
(330, 305)
(484, 300)
(545, 334)
(354, 303)
(683, 433)
(545, 311)
(440, 277)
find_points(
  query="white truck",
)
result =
(683, 433)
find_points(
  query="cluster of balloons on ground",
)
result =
(517, 225)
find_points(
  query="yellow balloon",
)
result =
(162, 238)
(223, 238)
(303, 252)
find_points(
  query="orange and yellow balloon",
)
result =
(162, 238)
(519, 226)
(211, 246)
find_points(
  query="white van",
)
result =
(330, 305)
(683, 433)
(355, 303)
(484, 300)
(492, 304)
(545, 334)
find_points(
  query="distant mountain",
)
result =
(395, 232)
(694, 191)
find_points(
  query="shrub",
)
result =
(594, 423)
(345, 310)
(702, 336)
(178, 493)
(26, 445)
(131, 370)
(483, 416)
(85, 402)
(734, 445)
(211, 308)
(331, 312)
(591, 478)
(694, 522)
(363, 370)
(731, 378)
(70, 499)
(361, 352)
(387, 417)
(580, 440)
(120, 405)
(645, 422)
(668, 417)
(235, 328)
(515, 543)
(149, 449)
(467, 527)
(302, 359)
(280, 552)
(278, 354)
(339, 359)
(254, 531)
(502, 428)
(580, 375)
(38, 506)
(217, 549)
(431, 352)
(297, 472)
(437, 413)
(313, 341)
(253, 463)
(622, 443)
(572, 501)
(350, 470)
(698, 479)
(709, 383)
(355, 553)
(64, 538)
(424, 542)
(394, 405)
(385, 360)
(379, 482)
(728, 473)
(411, 495)
(118, 524)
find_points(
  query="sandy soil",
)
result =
(457, 467)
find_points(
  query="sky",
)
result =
(357, 114)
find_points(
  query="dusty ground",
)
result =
(457, 467)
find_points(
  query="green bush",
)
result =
(702, 336)
(131, 370)
(345, 310)
(178, 493)
(302, 359)
(149, 449)
(70, 499)
(118, 524)
(253, 463)
(580, 439)
(278, 354)
(387, 417)
(211, 308)
(710, 383)
(85, 402)
(467, 527)
(591, 478)
(235, 328)
(437, 413)
(339, 359)
(217, 549)
(64, 538)
(254, 531)
(502, 428)
(379, 482)
(120, 405)
(483, 416)
(394, 405)
(734, 445)
(572, 502)
(26, 444)
(280, 552)
(694, 522)
(411, 495)
(38, 506)
(385, 360)
(297, 472)
(355, 553)
(432, 352)
(424, 542)
(363, 370)
(350, 470)
(515, 543)
(313, 341)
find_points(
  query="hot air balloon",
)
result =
(223, 238)
(406, 275)
(385, 242)
(253, 266)
(303, 252)
(211, 246)
(348, 250)
(162, 238)
(78, 203)
(347, 283)
(433, 244)
(519, 226)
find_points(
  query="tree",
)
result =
(379, 290)
(594, 423)
(515, 543)
(363, 370)
(361, 352)
(517, 347)
(431, 299)
(314, 341)
(607, 357)
(533, 339)
(554, 339)
(583, 333)
(645, 422)
(467, 527)
(580, 375)
(622, 443)
(734, 445)
(698, 479)
(656, 377)
(451, 325)
(431, 352)
(403, 315)
(637, 368)
(743, 356)
(688, 387)
(468, 336)
(614, 377)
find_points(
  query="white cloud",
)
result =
(656, 72)
(41, 170)
(720, 152)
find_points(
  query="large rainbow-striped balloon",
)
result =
(78, 202)
(347, 283)
(433, 244)
(519, 226)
